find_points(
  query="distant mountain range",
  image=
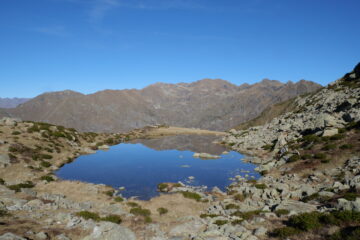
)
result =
(209, 104)
(12, 102)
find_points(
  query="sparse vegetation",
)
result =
(118, 199)
(138, 211)
(47, 178)
(17, 187)
(45, 164)
(281, 212)
(191, 195)
(162, 211)
(112, 218)
(220, 222)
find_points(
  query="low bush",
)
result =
(328, 147)
(133, 204)
(2, 181)
(221, 222)
(112, 218)
(118, 199)
(231, 206)
(246, 215)
(148, 219)
(281, 212)
(310, 197)
(261, 186)
(240, 197)
(16, 133)
(191, 195)
(162, 187)
(47, 178)
(305, 221)
(346, 146)
(17, 187)
(45, 164)
(348, 233)
(294, 158)
(3, 213)
(285, 232)
(162, 211)
(205, 215)
(89, 215)
(337, 137)
(351, 196)
(109, 193)
(138, 211)
(320, 156)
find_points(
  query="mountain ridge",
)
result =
(213, 104)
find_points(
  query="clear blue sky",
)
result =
(90, 45)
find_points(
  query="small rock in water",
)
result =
(185, 166)
(205, 156)
(191, 178)
(121, 188)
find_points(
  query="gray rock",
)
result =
(110, 231)
(4, 160)
(41, 236)
(296, 206)
(62, 237)
(11, 236)
(261, 231)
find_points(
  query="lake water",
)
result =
(140, 165)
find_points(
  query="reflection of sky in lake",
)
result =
(139, 168)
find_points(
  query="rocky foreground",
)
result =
(309, 159)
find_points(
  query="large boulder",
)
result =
(110, 231)
(4, 160)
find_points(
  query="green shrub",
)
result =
(310, 197)
(45, 164)
(320, 156)
(118, 199)
(46, 156)
(138, 211)
(281, 212)
(246, 215)
(47, 178)
(148, 219)
(240, 197)
(220, 222)
(347, 216)
(268, 147)
(337, 137)
(237, 221)
(253, 181)
(294, 158)
(261, 186)
(328, 147)
(132, 204)
(162, 187)
(205, 215)
(312, 138)
(305, 221)
(2, 181)
(351, 196)
(306, 156)
(162, 211)
(346, 146)
(17, 187)
(284, 232)
(16, 133)
(109, 193)
(191, 195)
(231, 206)
(112, 218)
(348, 233)
(89, 215)
(3, 213)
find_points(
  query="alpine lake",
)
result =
(139, 166)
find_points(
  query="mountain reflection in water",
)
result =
(141, 165)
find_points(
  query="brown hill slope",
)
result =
(208, 104)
